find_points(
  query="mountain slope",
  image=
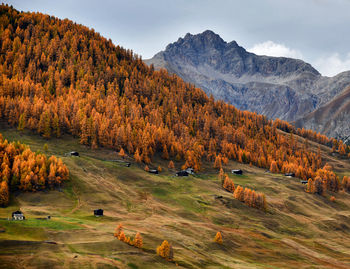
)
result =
(332, 119)
(60, 78)
(274, 86)
(300, 230)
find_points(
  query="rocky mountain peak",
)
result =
(277, 87)
(208, 37)
(200, 42)
(208, 48)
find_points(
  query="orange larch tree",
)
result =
(138, 242)
(218, 238)
(164, 249)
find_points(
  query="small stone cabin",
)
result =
(190, 171)
(237, 171)
(182, 174)
(289, 174)
(17, 215)
(98, 212)
(74, 153)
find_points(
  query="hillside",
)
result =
(332, 119)
(276, 87)
(65, 88)
(300, 230)
(59, 78)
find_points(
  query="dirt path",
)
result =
(79, 203)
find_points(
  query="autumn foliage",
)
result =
(58, 77)
(250, 198)
(313, 136)
(171, 165)
(122, 153)
(118, 230)
(228, 184)
(136, 242)
(4, 193)
(346, 183)
(218, 238)
(274, 167)
(165, 250)
(22, 169)
(325, 180)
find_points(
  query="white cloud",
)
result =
(271, 48)
(329, 65)
(333, 64)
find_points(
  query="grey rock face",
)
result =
(277, 87)
(332, 119)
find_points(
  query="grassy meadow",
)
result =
(299, 230)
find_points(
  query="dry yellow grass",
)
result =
(299, 230)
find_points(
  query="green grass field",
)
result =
(299, 230)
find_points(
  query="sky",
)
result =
(316, 31)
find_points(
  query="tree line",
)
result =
(245, 195)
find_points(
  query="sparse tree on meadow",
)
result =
(122, 153)
(122, 236)
(218, 238)
(164, 249)
(138, 242)
(146, 168)
(118, 230)
(228, 184)
(171, 165)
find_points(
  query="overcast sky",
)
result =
(317, 31)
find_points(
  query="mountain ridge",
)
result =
(277, 87)
(331, 118)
